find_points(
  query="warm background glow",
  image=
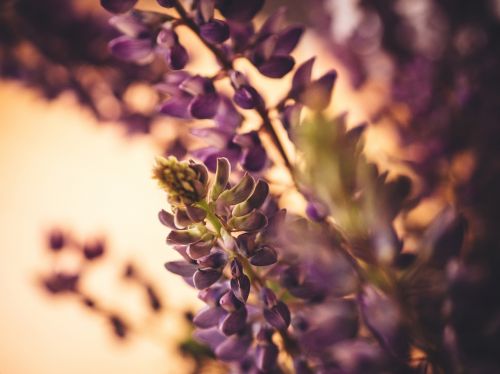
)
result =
(58, 167)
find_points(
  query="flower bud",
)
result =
(185, 183)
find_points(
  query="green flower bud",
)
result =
(185, 182)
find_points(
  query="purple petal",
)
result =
(253, 221)
(167, 37)
(209, 156)
(196, 214)
(233, 348)
(177, 57)
(317, 96)
(94, 250)
(381, 315)
(241, 33)
(273, 24)
(197, 85)
(359, 356)
(246, 97)
(236, 268)
(183, 237)
(199, 249)
(247, 140)
(234, 322)
(264, 256)
(278, 316)
(182, 268)
(212, 295)
(177, 107)
(288, 40)
(167, 219)
(61, 282)
(213, 136)
(302, 77)
(215, 31)
(181, 219)
(276, 66)
(255, 200)
(131, 49)
(254, 159)
(208, 317)
(166, 3)
(57, 240)
(268, 297)
(238, 193)
(339, 323)
(230, 302)
(129, 25)
(212, 261)
(222, 172)
(240, 11)
(181, 249)
(266, 356)
(205, 278)
(227, 117)
(118, 6)
(204, 106)
(316, 211)
(211, 337)
(171, 83)
(241, 287)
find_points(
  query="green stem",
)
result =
(211, 217)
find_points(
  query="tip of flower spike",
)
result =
(184, 182)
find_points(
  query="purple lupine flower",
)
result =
(56, 240)
(175, 54)
(118, 6)
(61, 282)
(147, 34)
(166, 3)
(329, 324)
(273, 45)
(93, 250)
(223, 141)
(383, 317)
(239, 12)
(215, 31)
(245, 96)
(275, 311)
(192, 96)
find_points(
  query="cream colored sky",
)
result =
(57, 167)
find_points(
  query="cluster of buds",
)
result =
(222, 236)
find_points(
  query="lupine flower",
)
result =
(191, 96)
(118, 6)
(273, 45)
(147, 34)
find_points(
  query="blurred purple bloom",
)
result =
(191, 96)
(239, 11)
(61, 283)
(118, 6)
(215, 31)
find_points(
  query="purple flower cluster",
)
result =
(355, 288)
(230, 239)
(191, 96)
